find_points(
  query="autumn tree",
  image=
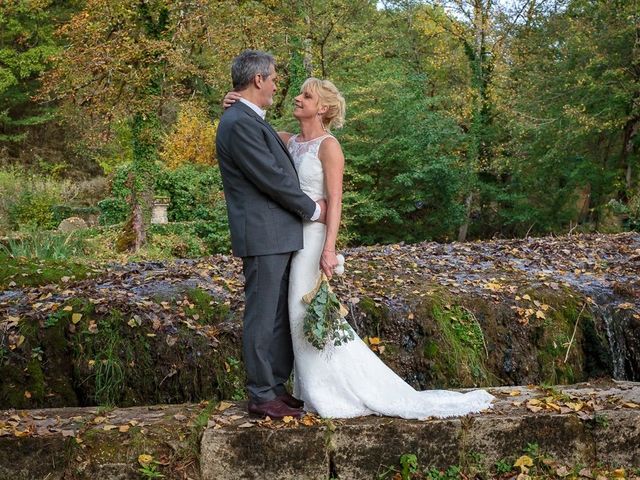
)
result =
(132, 61)
(27, 44)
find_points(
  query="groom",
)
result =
(265, 207)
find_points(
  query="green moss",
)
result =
(29, 329)
(27, 272)
(430, 350)
(463, 352)
(205, 307)
(453, 345)
(59, 371)
(36, 380)
(552, 336)
(39, 366)
(375, 314)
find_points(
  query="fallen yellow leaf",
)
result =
(554, 406)
(75, 318)
(145, 459)
(576, 407)
(523, 462)
(625, 306)
(307, 420)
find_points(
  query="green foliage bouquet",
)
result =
(324, 321)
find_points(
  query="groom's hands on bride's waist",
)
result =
(322, 204)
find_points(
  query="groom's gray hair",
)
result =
(249, 64)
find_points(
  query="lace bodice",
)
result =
(308, 164)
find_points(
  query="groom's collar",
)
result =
(254, 107)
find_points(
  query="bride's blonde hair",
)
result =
(330, 97)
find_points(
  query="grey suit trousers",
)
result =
(268, 363)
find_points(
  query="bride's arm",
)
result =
(232, 97)
(332, 159)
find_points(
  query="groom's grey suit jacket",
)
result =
(264, 202)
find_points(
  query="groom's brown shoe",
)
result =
(274, 408)
(290, 400)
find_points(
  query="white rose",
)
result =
(339, 270)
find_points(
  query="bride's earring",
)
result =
(319, 115)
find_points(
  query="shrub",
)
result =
(33, 209)
(28, 200)
(114, 209)
(45, 246)
(194, 191)
(192, 140)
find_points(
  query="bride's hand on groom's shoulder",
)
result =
(230, 98)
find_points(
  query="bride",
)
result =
(347, 380)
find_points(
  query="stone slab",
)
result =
(233, 446)
(366, 447)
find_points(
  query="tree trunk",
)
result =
(462, 232)
(629, 132)
(144, 129)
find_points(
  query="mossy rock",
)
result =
(435, 339)
(96, 359)
(38, 373)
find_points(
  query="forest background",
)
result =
(466, 119)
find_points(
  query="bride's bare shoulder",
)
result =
(330, 145)
(285, 136)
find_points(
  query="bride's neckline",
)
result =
(296, 136)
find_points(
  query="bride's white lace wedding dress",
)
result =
(350, 380)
